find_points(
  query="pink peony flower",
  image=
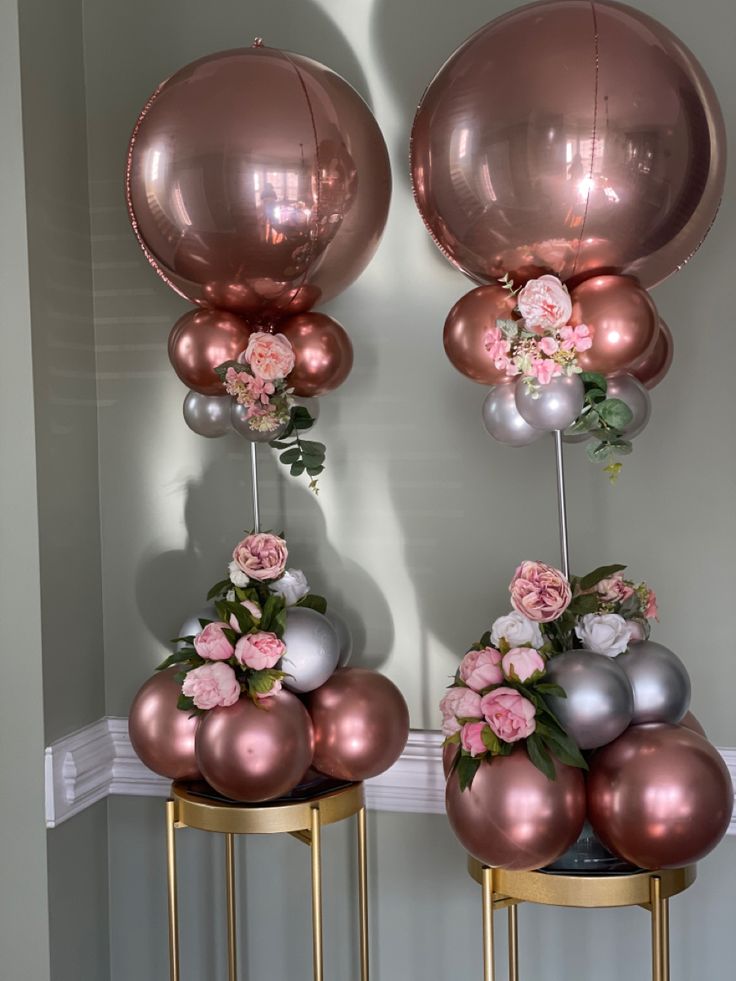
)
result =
(262, 556)
(270, 356)
(545, 304)
(459, 703)
(471, 738)
(540, 592)
(614, 589)
(549, 346)
(578, 338)
(212, 644)
(260, 650)
(274, 689)
(479, 669)
(523, 664)
(252, 608)
(544, 370)
(651, 612)
(212, 685)
(509, 714)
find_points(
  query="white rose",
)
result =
(605, 633)
(237, 576)
(516, 630)
(292, 586)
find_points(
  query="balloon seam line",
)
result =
(597, 63)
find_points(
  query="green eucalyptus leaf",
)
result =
(598, 575)
(539, 756)
(467, 767)
(615, 413)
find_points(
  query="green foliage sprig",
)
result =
(605, 420)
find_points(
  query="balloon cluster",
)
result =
(257, 690)
(607, 174)
(571, 669)
(258, 185)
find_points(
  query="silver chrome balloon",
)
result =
(192, 626)
(631, 391)
(207, 415)
(502, 420)
(241, 424)
(599, 703)
(312, 649)
(659, 680)
(344, 636)
(555, 405)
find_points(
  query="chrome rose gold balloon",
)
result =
(361, 724)
(253, 752)
(200, 341)
(161, 734)
(660, 796)
(449, 752)
(466, 327)
(689, 721)
(653, 366)
(323, 353)
(622, 318)
(569, 137)
(513, 817)
(258, 182)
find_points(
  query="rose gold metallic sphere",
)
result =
(163, 735)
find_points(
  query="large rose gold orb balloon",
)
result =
(622, 318)
(361, 724)
(569, 137)
(466, 327)
(163, 735)
(513, 817)
(660, 796)
(258, 182)
(253, 752)
(323, 353)
(654, 365)
(689, 721)
(200, 341)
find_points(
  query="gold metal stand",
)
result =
(650, 890)
(303, 820)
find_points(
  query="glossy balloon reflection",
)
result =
(502, 419)
(243, 425)
(323, 353)
(200, 341)
(631, 391)
(312, 649)
(163, 735)
(599, 703)
(207, 415)
(622, 318)
(555, 405)
(659, 681)
(654, 365)
(258, 181)
(466, 327)
(570, 138)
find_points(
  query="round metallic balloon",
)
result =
(466, 327)
(622, 318)
(631, 391)
(599, 703)
(573, 138)
(163, 735)
(258, 182)
(654, 365)
(312, 649)
(513, 816)
(555, 405)
(660, 796)
(323, 353)
(502, 419)
(191, 626)
(344, 637)
(252, 752)
(202, 340)
(659, 680)
(449, 753)
(207, 415)
(361, 724)
(241, 424)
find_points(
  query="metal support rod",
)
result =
(254, 486)
(489, 965)
(562, 504)
(316, 895)
(363, 893)
(655, 894)
(171, 883)
(513, 942)
(232, 948)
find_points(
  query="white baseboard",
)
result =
(98, 761)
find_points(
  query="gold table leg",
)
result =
(171, 880)
(513, 942)
(665, 940)
(316, 895)
(489, 968)
(232, 948)
(655, 895)
(363, 894)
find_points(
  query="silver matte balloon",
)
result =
(344, 636)
(555, 405)
(192, 626)
(312, 649)
(659, 680)
(502, 420)
(241, 424)
(631, 391)
(207, 415)
(599, 703)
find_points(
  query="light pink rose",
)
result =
(260, 650)
(262, 556)
(509, 714)
(544, 370)
(540, 592)
(471, 738)
(212, 644)
(212, 685)
(545, 304)
(577, 339)
(480, 669)
(252, 608)
(651, 612)
(459, 703)
(274, 690)
(638, 631)
(549, 346)
(523, 664)
(270, 356)
(614, 589)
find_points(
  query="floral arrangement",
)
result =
(258, 381)
(498, 695)
(238, 654)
